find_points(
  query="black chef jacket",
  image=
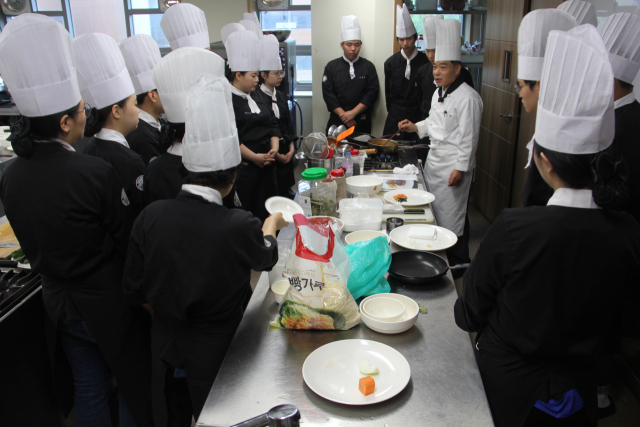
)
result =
(197, 290)
(284, 171)
(163, 180)
(340, 90)
(545, 300)
(127, 163)
(627, 144)
(254, 184)
(401, 94)
(69, 214)
(427, 86)
(145, 141)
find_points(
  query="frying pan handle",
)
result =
(8, 264)
(461, 266)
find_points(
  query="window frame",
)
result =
(129, 13)
(301, 50)
(65, 13)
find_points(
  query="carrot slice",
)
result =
(367, 385)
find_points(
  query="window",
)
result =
(117, 18)
(418, 18)
(297, 19)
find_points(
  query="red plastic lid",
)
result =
(337, 172)
(354, 151)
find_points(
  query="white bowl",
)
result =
(385, 309)
(363, 235)
(405, 323)
(287, 207)
(279, 289)
(333, 219)
(364, 184)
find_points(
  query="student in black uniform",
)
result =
(258, 128)
(200, 302)
(270, 78)
(533, 292)
(532, 41)
(141, 53)
(68, 212)
(400, 72)
(106, 86)
(350, 84)
(172, 75)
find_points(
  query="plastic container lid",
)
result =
(354, 152)
(347, 154)
(337, 172)
(314, 174)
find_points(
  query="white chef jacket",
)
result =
(454, 129)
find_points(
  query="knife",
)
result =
(9, 245)
(404, 212)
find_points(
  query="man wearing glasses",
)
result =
(350, 84)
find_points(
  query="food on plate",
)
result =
(295, 315)
(368, 368)
(367, 385)
(400, 198)
(414, 244)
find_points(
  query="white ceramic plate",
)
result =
(331, 371)
(444, 239)
(281, 204)
(414, 197)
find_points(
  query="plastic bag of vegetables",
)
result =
(318, 271)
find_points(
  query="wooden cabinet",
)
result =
(503, 19)
(500, 112)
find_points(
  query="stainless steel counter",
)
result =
(263, 367)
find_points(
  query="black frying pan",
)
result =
(418, 268)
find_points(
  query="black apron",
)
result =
(255, 184)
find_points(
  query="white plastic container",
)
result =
(361, 214)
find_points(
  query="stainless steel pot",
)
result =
(328, 164)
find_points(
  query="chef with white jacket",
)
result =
(454, 127)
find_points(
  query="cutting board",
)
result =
(428, 215)
(7, 236)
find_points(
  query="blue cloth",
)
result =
(570, 403)
(90, 377)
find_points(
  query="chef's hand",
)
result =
(351, 123)
(347, 117)
(407, 126)
(273, 223)
(272, 153)
(289, 156)
(455, 178)
(261, 160)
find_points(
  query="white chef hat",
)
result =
(404, 24)
(429, 25)
(228, 29)
(251, 17)
(270, 54)
(211, 139)
(176, 71)
(141, 53)
(102, 74)
(448, 40)
(575, 107)
(350, 28)
(185, 25)
(243, 51)
(252, 26)
(621, 36)
(36, 63)
(532, 39)
(584, 12)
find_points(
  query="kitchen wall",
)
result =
(220, 13)
(377, 22)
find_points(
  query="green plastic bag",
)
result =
(369, 262)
